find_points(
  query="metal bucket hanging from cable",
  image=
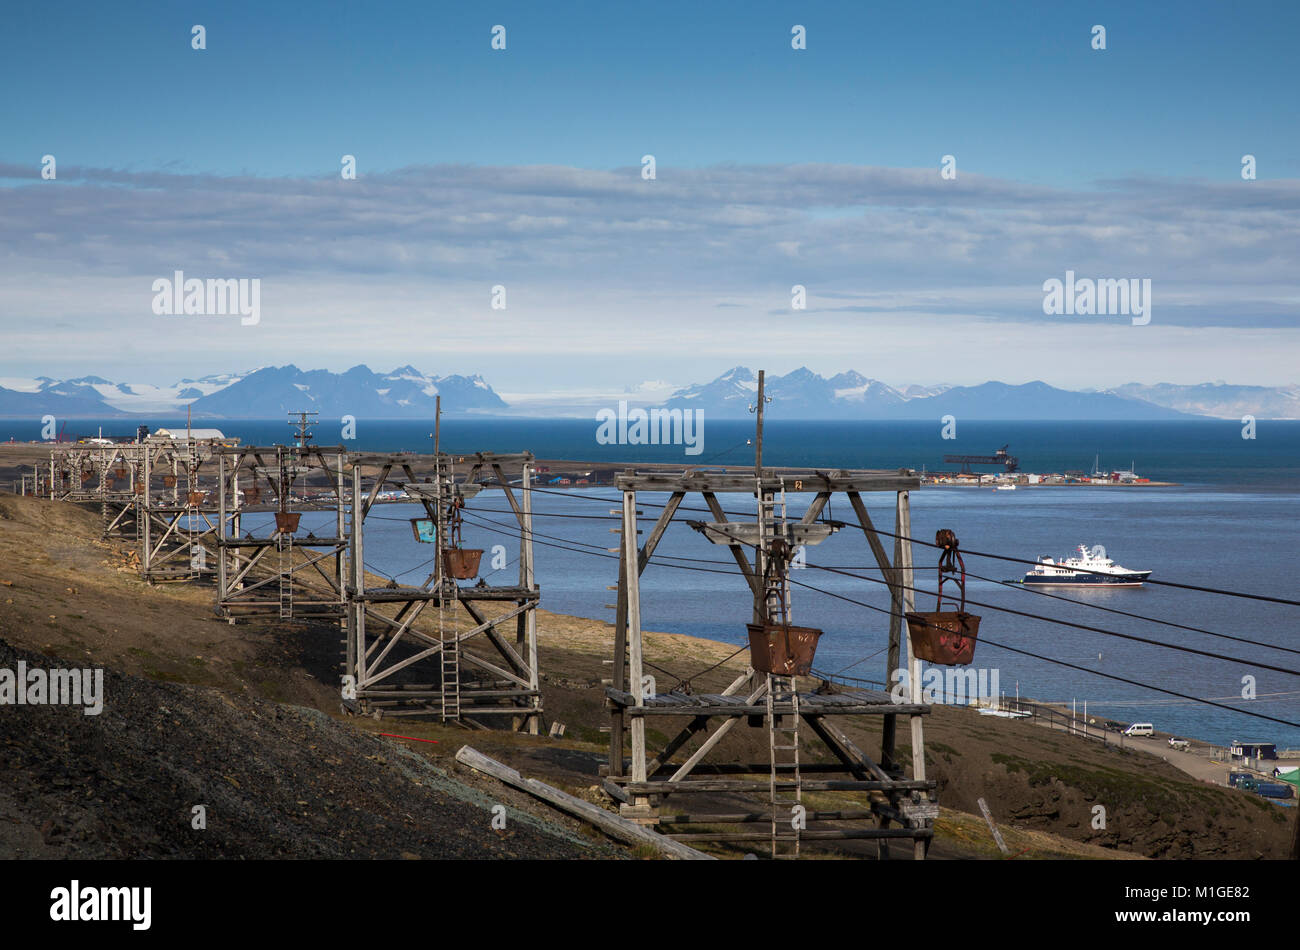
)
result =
(775, 647)
(460, 563)
(945, 637)
(286, 521)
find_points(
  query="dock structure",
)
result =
(271, 565)
(650, 784)
(467, 667)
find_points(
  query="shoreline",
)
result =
(18, 458)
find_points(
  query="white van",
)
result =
(1140, 729)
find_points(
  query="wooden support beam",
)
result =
(632, 581)
(795, 480)
(674, 787)
(742, 560)
(661, 524)
(614, 825)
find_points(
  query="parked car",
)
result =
(1140, 729)
(1180, 744)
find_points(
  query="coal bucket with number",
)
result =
(461, 563)
(782, 649)
(196, 497)
(945, 637)
(286, 522)
(252, 495)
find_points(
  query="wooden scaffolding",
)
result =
(158, 492)
(459, 665)
(649, 783)
(270, 566)
(176, 512)
(102, 474)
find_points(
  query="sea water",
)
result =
(1231, 523)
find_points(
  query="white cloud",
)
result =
(602, 266)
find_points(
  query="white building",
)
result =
(196, 435)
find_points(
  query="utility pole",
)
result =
(763, 612)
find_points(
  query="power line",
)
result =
(1082, 626)
(1084, 669)
(1125, 613)
(992, 643)
(1068, 623)
(1020, 560)
(1046, 659)
(999, 557)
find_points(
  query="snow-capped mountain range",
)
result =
(263, 393)
(802, 394)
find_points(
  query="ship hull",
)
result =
(1088, 580)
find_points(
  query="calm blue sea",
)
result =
(1197, 453)
(1232, 523)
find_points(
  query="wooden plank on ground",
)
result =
(612, 824)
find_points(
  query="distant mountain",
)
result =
(803, 394)
(264, 393)
(732, 393)
(1220, 400)
(61, 400)
(1034, 402)
(361, 392)
(272, 391)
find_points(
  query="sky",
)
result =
(523, 168)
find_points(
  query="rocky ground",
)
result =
(273, 781)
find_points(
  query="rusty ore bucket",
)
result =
(945, 637)
(169, 481)
(86, 476)
(461, 563)
(287, 521)
(139, 488)
(252, 495)
(196, 497)
(782, 649)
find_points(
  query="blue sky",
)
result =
(1014, 89)
(520, 167)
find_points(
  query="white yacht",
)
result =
(1091, 568)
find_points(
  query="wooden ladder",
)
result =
(284, 542)
(450, 678)
(783, 748)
